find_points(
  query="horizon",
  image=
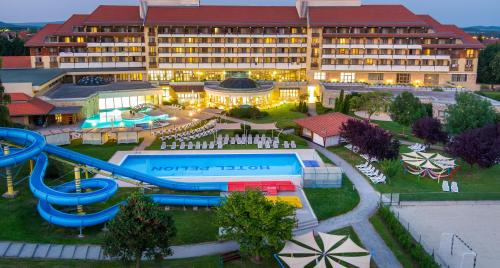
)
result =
(445, 11)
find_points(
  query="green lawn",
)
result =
(402, 255)
(330, 202)
(283, 115)
(398, 130)
(491, 94)
(325, 159)
(301, 144)
(103, 152)
(474, 184)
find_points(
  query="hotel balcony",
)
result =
(388, 68)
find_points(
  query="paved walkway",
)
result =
(311, 109)
(148, 140)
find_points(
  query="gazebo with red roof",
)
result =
(27, 110)
(323, 129)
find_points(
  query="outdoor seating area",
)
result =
(433, 165)
(417, 147)
(190, 131)
(374, 174)
(355, 150)
(260, 140)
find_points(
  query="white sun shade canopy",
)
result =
(298, 262)
(308, 240)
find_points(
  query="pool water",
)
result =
(215, 165)
(113, 118)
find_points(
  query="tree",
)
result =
(371, 102)
(4, 111)
(342, 103)
(260, 226)
(370, 139)
(406, 109)
(141, 227)
(13, 47)
(479, 146)
(430, 130)
(470, 111)
(488, 60)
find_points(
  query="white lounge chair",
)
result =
(173, 146)
(190, 145)
(259, 145)
(233, 141)
(293, 145)
(268, 145)
(219, 146)
(204, 146)
(364, 165)
(211, 146)
(183, 146)
(286, 145)
(276, 145)
(454, 187)
(198, 145)
(445, 186)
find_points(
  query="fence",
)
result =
(398, 198)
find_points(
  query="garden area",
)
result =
(282, 115)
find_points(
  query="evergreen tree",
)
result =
(4, 111)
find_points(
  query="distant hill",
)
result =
(24, 25)
(482, 29)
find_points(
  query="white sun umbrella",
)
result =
(334, 248)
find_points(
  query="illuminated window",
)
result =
(427, 52)
(403, 78)
(369, 61)
(470, 53)
(347, 77)
(67, 39)
(342, 41)
(355, 51)
(319, 76)
(376, 76)
(289, 93)
(342, 51)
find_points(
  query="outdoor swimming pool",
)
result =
(113, 118)
(215, 165)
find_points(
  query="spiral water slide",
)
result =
(34, 147)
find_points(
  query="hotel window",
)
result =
(470, 53)
(355, 51)
(342, 51)
(427, 52)
(458, 78)
(403, 78)
(376, 76)
(319, 76)
(342, 41)
(347, 77)
(289, 93)
(67, 39)
(80, 39)
(431, 79)
(369, 61)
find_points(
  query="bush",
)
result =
(247, 112)
(320, 109)
(416, 251)
(390, 167)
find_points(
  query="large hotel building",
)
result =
(179, 49)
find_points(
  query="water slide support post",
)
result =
(10, 185)
(78, 187)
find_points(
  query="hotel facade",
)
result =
(183, 47)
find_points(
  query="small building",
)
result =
(29, 111)
(127, 135)
(323, 129)
(95, 136)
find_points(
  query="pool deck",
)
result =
(303, 154)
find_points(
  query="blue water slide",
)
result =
(102, 189)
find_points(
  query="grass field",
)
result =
(474, 183)
(399, 131)
(330, 202)
(282, 115)
(491, 94)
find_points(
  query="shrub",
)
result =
(416, 251)
(390, 167)
(320, 109)
(430, 130)
(247, 112)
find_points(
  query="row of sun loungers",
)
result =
(417, 147)
(355, 149)
(193, 146)
(446, 186)
(221, 142)
(372, 173)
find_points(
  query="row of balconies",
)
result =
(232, 45)
(402, 57)
(102, 65)
(232, 55)
(113, 44)
(399, 68)
(293, 66)
(371, 46)
(235, 35)
(102, 54)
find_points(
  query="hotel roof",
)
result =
(225, 16)
(115, 15)
(15, 62)
(29, 106)
(365, 15)
(39, 38)
(325, 125)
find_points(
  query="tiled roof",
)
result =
(325, 125)
(67, 27)
(225, 16)
(114, 15)
(453, 30)
(33, 106)
(15, 62)
(16, 97)
(365, 15)
(39, 38)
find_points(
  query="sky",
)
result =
(459, 12)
